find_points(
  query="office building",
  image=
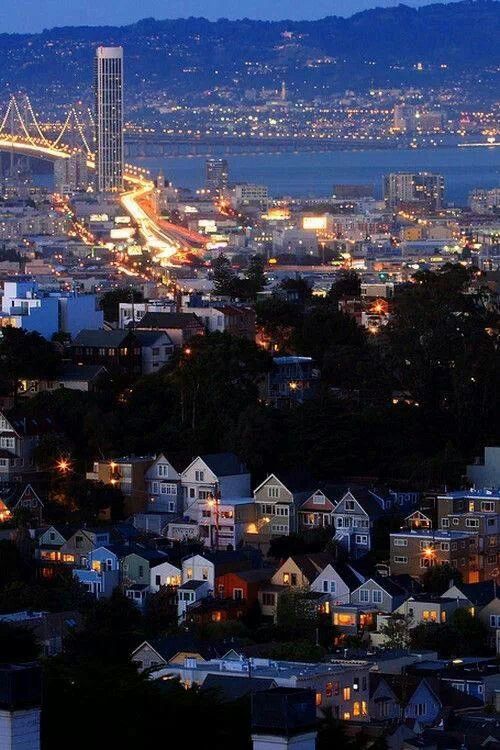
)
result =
(108, 89)
(71, 174)
(424, 188)
(216, 175)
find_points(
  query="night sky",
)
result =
(35, 15)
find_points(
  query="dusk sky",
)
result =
(35, 15)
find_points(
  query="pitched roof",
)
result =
(71, 373)
(480, 594)
(310, 505)
(368, 501)
(388, 584)
(224, 464)
(100, 338)
(169, 320)
(149, 338)
(312, 565)
(167, 647)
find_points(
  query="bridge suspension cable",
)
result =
(30, 120)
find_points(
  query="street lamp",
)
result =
(213, 501)
(63, 465)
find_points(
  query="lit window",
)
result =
(346, 694)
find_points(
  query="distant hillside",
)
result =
(193, 55)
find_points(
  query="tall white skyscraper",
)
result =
(108, 86)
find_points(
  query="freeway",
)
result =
(163, 239)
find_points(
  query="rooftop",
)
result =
(269, 668)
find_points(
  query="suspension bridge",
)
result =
(21, 132)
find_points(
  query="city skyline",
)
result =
(28, 16)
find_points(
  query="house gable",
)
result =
(154, 472)
(344, 506)
(198, 464)
(45, 538)
(28, 499)
(339, 591)
(271, 490)
(423, 704)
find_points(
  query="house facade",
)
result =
(354, 517)
(163, 487)
(414, 552)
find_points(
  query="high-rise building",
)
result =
(108, 88)
(71, 174)
(425, 188)
(216, 174)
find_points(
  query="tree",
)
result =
(397, 632)
(224, 276)
(27, 356)
(17, 644)
(255, 277)
(438, 578)
(277, 321)
(347, 284)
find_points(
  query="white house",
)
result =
(164, 574)
(198, 568)
(222, 473)
(338, 581)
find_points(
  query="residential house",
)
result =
(157, 349)
(479, 513)
(338, 580)
(76, 550)
(48, 543)
(242, 585)
(274, 513)
(20, 497)
(103, 571)
(163, 487)
(483, 601)
(426, 701)
(117, 351)
(87, 378)
(164, 574)
(339, 685)
(127, 474)
(354, 517)
(238, 320)
(384, 703)
(19, 437)
(297, 572)
(486, 472)
(316, 512)
(414, 552)
(136, 566)
(216, 489)
(188, 594)
(199, 568)
(217, 473)
(180, 327)
(290, 381)
(417, 520)
(426, 608)
(137, 592)
(49, 628)
(385, 594)
(159, 652)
